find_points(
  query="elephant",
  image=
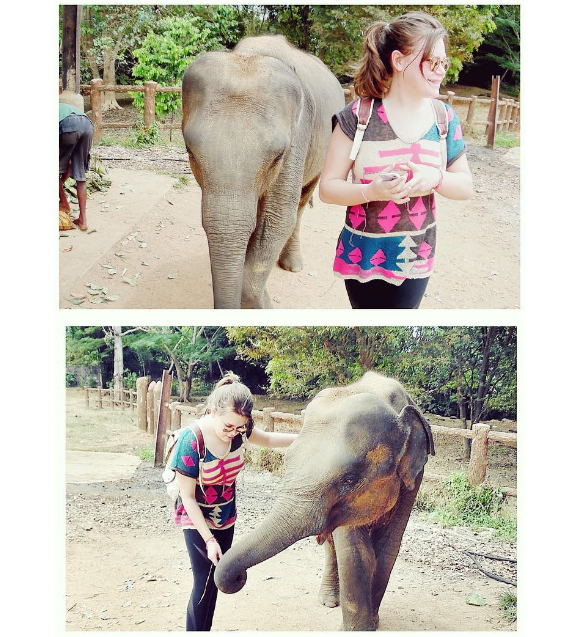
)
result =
(351, 479)
(257, 122)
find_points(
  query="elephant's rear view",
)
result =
(256, 123)
(352, 476)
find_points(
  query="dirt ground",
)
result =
(146, 229)
(127, 567)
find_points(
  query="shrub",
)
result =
(508, 604)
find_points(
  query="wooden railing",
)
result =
(503, 114)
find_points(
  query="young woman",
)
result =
(386, 249)
(206, 506)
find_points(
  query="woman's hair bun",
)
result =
(228, 379)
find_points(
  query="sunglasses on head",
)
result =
(435, 61)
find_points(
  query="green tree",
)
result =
(169, 48)
(108, 33)
(191, 351)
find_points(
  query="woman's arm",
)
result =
(334, 188)
(271, 439)
(187, 492)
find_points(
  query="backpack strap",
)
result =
(363, 112)
(200, 442)
(443, 127)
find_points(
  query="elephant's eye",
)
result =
(349, 480)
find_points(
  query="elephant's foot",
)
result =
(329, 597)
(251, 301)
(291, 260)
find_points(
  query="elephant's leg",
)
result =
(356, 568)
(387, 542)
(291, 258)
(329, 587)
(275, 224)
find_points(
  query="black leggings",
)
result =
(381, 295)
(203, 597)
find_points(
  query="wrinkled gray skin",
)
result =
(256, 122)
(352, 476)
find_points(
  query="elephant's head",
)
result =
(240, 121)
(359, 447)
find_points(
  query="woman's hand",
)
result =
(395, 190)
(424, 179)
(214, 551)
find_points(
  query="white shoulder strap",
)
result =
(360, 131)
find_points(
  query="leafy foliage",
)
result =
(171, 47)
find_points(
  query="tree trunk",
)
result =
(488, 334)
(118, 362)
(461, 402)
(109, 100)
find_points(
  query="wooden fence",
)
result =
(158, 414)
(503, 114)
(106, 397)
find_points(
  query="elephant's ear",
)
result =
(419, 445)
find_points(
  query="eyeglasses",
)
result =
(239, 430)
(434, 63)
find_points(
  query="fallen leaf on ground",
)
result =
(474, 599)
(67, 249)
(172, 276)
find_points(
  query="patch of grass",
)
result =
(456, 503)
(508, 604)
(507, 140)
(146, 454)
(263, 459)
(181, 182)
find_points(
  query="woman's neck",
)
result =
(404, 101)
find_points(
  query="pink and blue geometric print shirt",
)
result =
(381, 239)
(215, 491)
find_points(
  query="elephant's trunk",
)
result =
(228, 223)
(289, 522)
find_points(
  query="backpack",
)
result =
(363, 113)
(168, 475)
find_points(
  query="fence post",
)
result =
(492, 114)
(268, 421)
(502, 115)
(163, 418)
(150, 406)
(175, 417)
(123, 399)
(508, 115)
(149, 103)
(156, 402)
(478, 461)
(100, 394)
(450, 96)
(87, 395)
(142, 384)
(132, 399)
(470, 114)
(112, 397)
(96, 109)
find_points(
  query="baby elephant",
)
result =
(352, 476)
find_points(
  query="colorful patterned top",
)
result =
(215, 491)
(382, 239)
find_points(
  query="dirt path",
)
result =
(150, 232)
(127, 568)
